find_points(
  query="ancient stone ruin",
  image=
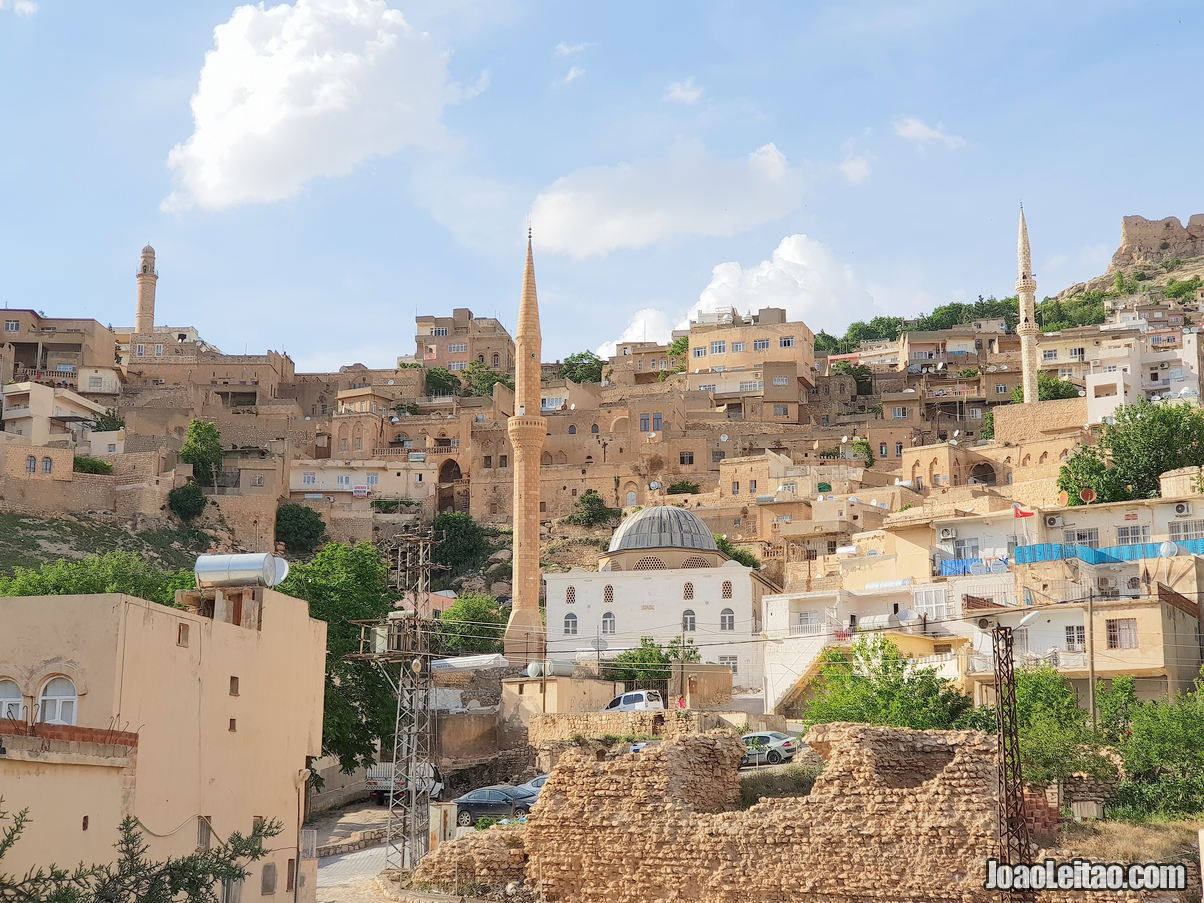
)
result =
(1150, 241)
(897, 815)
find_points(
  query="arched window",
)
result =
(496, 360)
(57, 705)
(631, 498)
(727, 619)
(480, 358)
(608, 623)
(12, 705)
(687, 591)
(608, 595)
(572, 429)
(593, 428)
(570, 624)
(47, 465)
(727, 589)
(695, 561)
(545, 459)
(650, 563)
(31, 464)
(570, 595)
(689, 622)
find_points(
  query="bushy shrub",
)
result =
(85, 464)
(299, 528)
(186, 501)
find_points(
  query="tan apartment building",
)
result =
(726, 340)
(42, 414)
(195, 721)
(53, 350)
(453, 342)
(637, 363)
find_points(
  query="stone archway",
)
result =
(451, 493)
(983, 473)
(449, 471)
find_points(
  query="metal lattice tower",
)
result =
(1014, 846)
(402, 646)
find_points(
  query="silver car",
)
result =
(769, 747)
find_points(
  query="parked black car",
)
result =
(498, 801)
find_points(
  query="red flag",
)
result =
(1016, 512)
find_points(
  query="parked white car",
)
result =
(380, 776)
(637, 701)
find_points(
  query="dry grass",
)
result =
(1113, 841)
(790, 780)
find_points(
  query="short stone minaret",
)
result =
(144, 316)
(1026, 290)
(525, 634)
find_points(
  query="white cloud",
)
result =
(646, 325)
(563, 49)
(855, 169)
(20, 7)
(911, 129)
(299, 91)
(684, 92)
(572, 75)
(596, 210)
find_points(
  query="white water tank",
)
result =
(239, 570)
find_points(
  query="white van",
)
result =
(637, 701)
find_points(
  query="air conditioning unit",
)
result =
(986, 623)
(946, 534)
(1182, 509)
(1106, 582)
(1096, 362)
(1164, 365)
(1053, 520)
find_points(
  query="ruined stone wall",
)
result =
(494, 857)
(1148, 241)
(549, 728)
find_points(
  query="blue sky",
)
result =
(334, 167)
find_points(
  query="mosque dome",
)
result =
(663, 527)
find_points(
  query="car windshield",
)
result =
(777, 735)
(512, 792)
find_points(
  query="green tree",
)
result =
(1182, 288)
(683, 487)
(1049, 388)
(202, 449)
(462, 543)
(108, 421)
(590, 509)
(862, 375)
(343, 584)
(582, 367)
(132, 877)
(85, 464)
(1142, 442)
(650, 663)
(1114, 705)
(187, 501)
(473, 625)
(872, 683)
(441, 381)
(826, 344)
(987, 431)
(862, 449)
(679, 348)
(300, 528)
(745, 557)
(1055, 741)
(113, 572)
(480, 380)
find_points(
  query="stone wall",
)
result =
(494, 857)
(544, 729)
(1148, 241)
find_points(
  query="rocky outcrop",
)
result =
(1151, 241)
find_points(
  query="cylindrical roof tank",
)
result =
(239, 570)
(879, 622)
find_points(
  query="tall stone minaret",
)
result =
(144, 317)
(525, 633)
(1026, 290)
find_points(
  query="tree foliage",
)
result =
(1182, 288)
(679, 348)
(650, 663)
(862, 375)
(133, 877)
(1143, 441)
(202, 449)
(441, 381)
(872, 683)
(462, 546)
(109, 421)
(1055, 740)
(299, 527)
(582, 367)
(683, 487)
(590, 509)
(342, 584)
(86, 464)
(114, 572)
(746, 558)
(863, 450)
(187, 501)
(473, 625)
(480, 380)
(1049, 388)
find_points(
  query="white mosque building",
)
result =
(662, 577)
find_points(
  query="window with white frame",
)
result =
(551, 404)
(965, 548)
(257, 480)
(309, 478)
(608, 623)
(58, 701)
(689, 621)
(158, 350)
(781, 380)
(932, 602)
(12, 703)
(140, 350)
(439, 330)
(781, 410)
(112, 446)
(727, 619)
(343, 479)
(737, 346)
(1076, 638)
(12, 326)
(751, 385)
(709, 387)
(900, 413)
(570, 624)
(457, 365)
(95, 382)
(1132, 535)
(760, 344)
(1001, 389)
(1082, 536)
(808, 623)
(1122, 633)
(1049, 354)
(373, 479)
(457, 347)
(1182, 530)
(732, 661)
(718, 347)
(976, 413)
(700, 352)
(786, 341)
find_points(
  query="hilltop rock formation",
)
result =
(1151, 241)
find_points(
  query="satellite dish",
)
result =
(1081, 393)
(599, 644)
(652, 435)
(874, 502)
(853, 500)
(978, 569)
(723, 438)
(844, 439)
(1063, 498)
(1003, 366)
(654, 485)
(992, 368)
(956, 433)
(1087, 496)
(953, 442)
(906, 615)
(394, 420)
(572, 407)
(1168, 550)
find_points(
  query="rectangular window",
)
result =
(1049, 354)
(881, 449)
(700, 352)
(551, 404)
(373, 479)
(752, 385)
(439, 330)
(1186, 529)
(290, 879)
(457, 365)
(181, 634)
(231, 891)
(417, 478)
(752, 486)
(1077, 354)
(781, 410)
(1001, 389)
(12, 326)
(717, 456)
(686, 457)
(737, 346)
(158, 350)
(900, 413)
(267, 884)
(786, 341)
(457, 348)
(140, 350)
(735, 487)
(718, 347)
(1076, 638)
(204, 832)
(1122, 633)
(709, 387)
(976, 413)
(503, 461)
(730, 660)
(1131, 536)
(257, 480)
(781, 380)
(932, 602)
(898, 449)
(488, 462)
(808, 623)
(658, 422)
(343, 479)
(760, 344)
(112, 448)
(95, 382)
(309, 479)
(1082, 537)
(233, 685)
(965, 548)
(645, 423)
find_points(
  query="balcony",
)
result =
(1059, 551)
(961, 567)
(42, 375)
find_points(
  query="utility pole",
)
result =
(1091, 661)
(1014, 844)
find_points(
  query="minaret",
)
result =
(525, 634)
(1026, 290)
(144, 317)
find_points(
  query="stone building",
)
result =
(453, 342)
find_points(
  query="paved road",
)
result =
(350, 867)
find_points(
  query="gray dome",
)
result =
(663, 527)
